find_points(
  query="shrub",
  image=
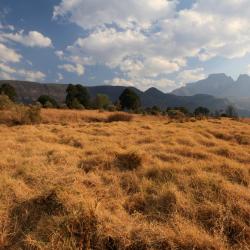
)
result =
(231, 112)
(26, 115)
(7, 89)
(47, 101)
(176, 114)
(128, 161)
(111, 108)
(203, 111)
(5, 102)
(101, 101)
(120, 117)
(76, 104)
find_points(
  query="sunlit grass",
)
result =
(76, 181)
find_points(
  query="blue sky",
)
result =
(143, 43)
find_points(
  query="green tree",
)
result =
(101, 101)
(129, 100)
(79, 93)
(48, 101)
(201, 111)
(7, 89)
(231, 111)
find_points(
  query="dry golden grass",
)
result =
(76, 181)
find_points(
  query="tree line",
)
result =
(78, 97)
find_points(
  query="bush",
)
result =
(120, 117)
(231, 112)
(101, 101)
(76, 105)
(201, 111)
(5, 102)
(176, 114)
(111, 108)
(7, 89)
(26, 115)
(47, 101)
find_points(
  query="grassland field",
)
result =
(79, 180)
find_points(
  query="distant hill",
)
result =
(29, 92)
(220, 85)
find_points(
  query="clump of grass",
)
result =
(161, 174)
(25, 217)
(158, 206)
(120, 117)
(71, 141)
(80, 228)
(128, 161)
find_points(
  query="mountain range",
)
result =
(222, 86)
(29, 92)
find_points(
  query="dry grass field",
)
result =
(81, 180)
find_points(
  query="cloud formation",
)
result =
(7, 72)
(32, 39)
(9, 56)
(125, 14)
(147, 40)
(78, 68)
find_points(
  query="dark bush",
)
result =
(48, 101)
(201, 111)
(7, 89)
(120, 117)
(176, 114)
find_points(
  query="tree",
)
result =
(231, 112)
(7, 89)
(201, 111)
(129, 100)
(47, 101)
(79, 93)
(101, 101)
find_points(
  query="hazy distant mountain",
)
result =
(215, 84)
(29, 92)
(220, 85)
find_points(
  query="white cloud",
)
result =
(130, 13)
(108, 46)
(8, 54)
(143, 83)
(8, 72)
(59, 77)
(188, 76)
(7, 69)
(59, 54)
(32, 39)
(78, 68)
(30, 75)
